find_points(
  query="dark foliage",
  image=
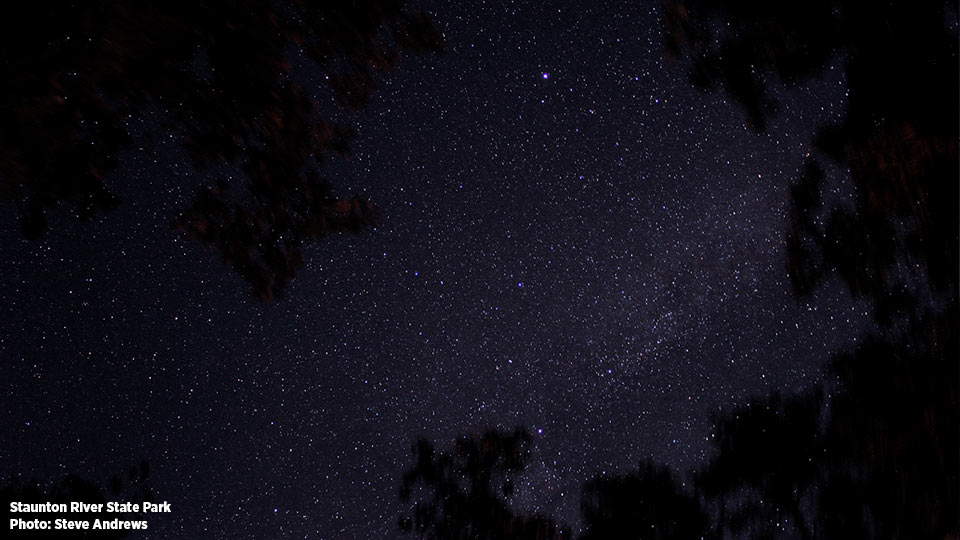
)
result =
(132, 487)
(767, 468)
(218, 75)
(463, 494)
(646, 504)
(893, 436)
(881, 449)
(876, 459)
(897, 138)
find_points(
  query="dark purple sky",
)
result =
(573, 239)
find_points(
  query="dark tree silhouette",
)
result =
(892, 436)
(889, 426)
(768, 466)
(73, 488)
(649, 504)
(874, 458)
(462, 494)
(218, 77)
(897, 138)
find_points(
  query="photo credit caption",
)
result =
(73, 515)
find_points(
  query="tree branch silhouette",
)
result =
(218, 76)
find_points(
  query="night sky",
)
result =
(572, 238)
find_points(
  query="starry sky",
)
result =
(572, 238)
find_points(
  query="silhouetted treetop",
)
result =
(648, 503)
(217, 77)
(742, 46)
(897, 138)
(873, 454)
(894, 434)
(768, 467)
(462, 494)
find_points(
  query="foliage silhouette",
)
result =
(893, 434)
(462, 494)
(648, 503)
(874, 458)
(73, 488)
(897, 138)
(888, 428)
(218, 78)
(767, 466)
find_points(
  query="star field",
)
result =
(572, 238)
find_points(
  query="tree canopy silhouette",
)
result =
(462, 494)
(219, 78)
(874, 455)
(881, 449)
(648, 503)
(897, 139)
(767, 467)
